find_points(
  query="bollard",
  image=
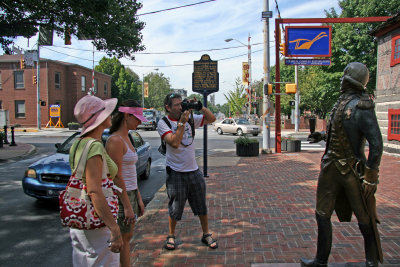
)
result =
(12, 137)
(5, 135)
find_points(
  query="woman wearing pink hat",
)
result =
(120, 149)
(98, 247)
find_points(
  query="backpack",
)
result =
(163, 147)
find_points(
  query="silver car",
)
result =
(236, 126)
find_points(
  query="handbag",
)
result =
(76, 208)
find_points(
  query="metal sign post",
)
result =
(205, 80)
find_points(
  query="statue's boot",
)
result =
(371, 251)
(324, 243)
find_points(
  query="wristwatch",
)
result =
(180, 124)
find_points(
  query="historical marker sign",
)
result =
(205, 77)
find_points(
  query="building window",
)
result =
(95, 86)
(395, 58)
(1, 87)
(394, 124)
(19, 108)
(105, 89)
(83, 83)
(57, 80)
(19, 79)
(1, 104)
(58, 103)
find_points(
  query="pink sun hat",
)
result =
(135, 111)
(91, 111)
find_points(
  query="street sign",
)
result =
(54, 111)
(205, 78)
(308, 41)
(319, 62)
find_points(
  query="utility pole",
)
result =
(249, 84)
(38, 87)
(266, 122)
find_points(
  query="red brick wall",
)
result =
(69, 92)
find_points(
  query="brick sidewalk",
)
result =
(262, 211)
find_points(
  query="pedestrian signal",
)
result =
(291, 88)
(282, 49)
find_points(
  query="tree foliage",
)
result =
(111, 24)
(236, 98)
(125, 84)
(159, 87)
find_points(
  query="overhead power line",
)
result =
(172, 8)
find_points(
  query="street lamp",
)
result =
(249, 61)
(143, 85)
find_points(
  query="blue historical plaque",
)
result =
(308, 41)
(205, 77)
(303, 61)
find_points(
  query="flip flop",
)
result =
(208, 240)
(171, 246)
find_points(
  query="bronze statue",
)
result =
(348, 181)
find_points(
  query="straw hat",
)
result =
(91, 111)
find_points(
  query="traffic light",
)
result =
(291, 88)
(67, 36)
(22, 64)
(34, 79)
(282, 49)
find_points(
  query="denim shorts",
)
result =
(132, 195)
(182, 186)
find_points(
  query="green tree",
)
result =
(125, 84)
(111, 24)
(159, 87)
(236, 98)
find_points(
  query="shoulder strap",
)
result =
(167, 121)
(82, 160)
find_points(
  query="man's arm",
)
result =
(208, 115)
(175, 139)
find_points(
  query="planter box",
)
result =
(293, 145)
(249, 150)
(284, 145)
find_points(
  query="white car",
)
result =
(236, 126)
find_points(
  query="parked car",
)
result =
(236, 126)
(49, 175)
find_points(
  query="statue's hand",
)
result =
(315, 137)
(369, 189)
(370, 181)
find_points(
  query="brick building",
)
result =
(388, 83)
(61, 84)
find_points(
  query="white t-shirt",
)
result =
(181, 159)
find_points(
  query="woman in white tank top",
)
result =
(121, 150)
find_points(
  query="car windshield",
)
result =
(148, 114)
(242, 121)
(66, 146)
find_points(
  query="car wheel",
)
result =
(255, 134)
(146, 173)
(219, 131)
(239, 132)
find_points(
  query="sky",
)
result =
(197, 28)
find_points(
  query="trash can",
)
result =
(311, 122)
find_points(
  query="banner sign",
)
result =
(146, 89)
(245, 73)
(205, 78)
(308, 41)
(55, 111)
(318, 62)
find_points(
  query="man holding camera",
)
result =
(184, 179)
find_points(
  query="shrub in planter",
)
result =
(247, 147)
(73, 125)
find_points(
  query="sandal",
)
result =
(171, 245)
(209, 241)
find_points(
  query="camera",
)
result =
(187, 104)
